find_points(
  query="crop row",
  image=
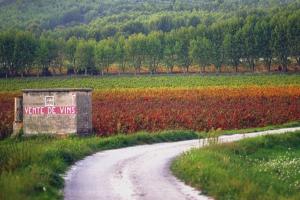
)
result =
(131, 110)
(172, 81)
(6, 113)
(196, 109)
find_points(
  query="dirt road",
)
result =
(140, 172)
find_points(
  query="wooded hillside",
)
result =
(90, 36)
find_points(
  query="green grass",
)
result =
(31, 168)
(258, 168)
(192, 81)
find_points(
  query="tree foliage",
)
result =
(84, 56)
(180, 34)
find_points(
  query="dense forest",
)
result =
(89, 36)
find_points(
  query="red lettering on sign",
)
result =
(50, 110)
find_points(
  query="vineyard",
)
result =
(194, 109)
(160, 103)
(144, 82)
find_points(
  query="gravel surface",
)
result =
(140, 172)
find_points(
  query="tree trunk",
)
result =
(236, 68)
(85, 71)
(298, 60)
(285, 63)
(203, 69)
(253, 66)
(123, 66)
(6, 71)
(60, 69)
(27, 70)
(123, 69)
(285, 67)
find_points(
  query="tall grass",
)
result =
(31, 168)
(258, 168)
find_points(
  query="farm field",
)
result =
(131, 104)
(171, 81)
(258, 168)
(194, 109)
(193, 106)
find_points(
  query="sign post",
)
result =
(57, 111)
(18, 116)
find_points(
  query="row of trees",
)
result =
(232, 42)
(21, 52)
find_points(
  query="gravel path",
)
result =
(140, 172)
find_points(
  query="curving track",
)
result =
(140, 172)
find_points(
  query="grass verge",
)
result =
(258, 168)
(31, 168)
